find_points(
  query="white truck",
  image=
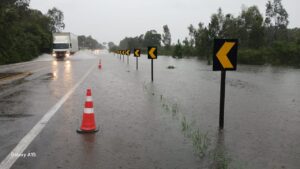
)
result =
(64, 44)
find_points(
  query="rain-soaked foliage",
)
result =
(25, 33)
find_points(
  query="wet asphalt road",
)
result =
(132, 133)
(139, 126)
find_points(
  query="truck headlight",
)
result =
(67, 54)
(54, 54)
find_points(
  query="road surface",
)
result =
(149, 125)
(132, 134)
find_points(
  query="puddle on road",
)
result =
(7, 94)
(10, 103)
(5, 75)
(48, 76)
(12, 77)
(2, 114)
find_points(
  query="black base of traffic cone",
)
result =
(87, 131)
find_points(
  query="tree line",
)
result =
(88, 42)
(151, 38)
(262, 39)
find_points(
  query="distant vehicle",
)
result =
(64, 44)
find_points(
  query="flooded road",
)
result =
(170, 123)
(262, 109)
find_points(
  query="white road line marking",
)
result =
(30, 136)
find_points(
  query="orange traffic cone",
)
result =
(88, 124)
(100, 65)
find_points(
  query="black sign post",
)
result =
(222, 99)
(152, 79)
(152, 54)
(128, 54)
(224, 59)
(137, 54)
(123, 53)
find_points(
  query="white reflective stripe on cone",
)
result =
(89, 98)
(88, 110)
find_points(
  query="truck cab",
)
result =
(64, 44)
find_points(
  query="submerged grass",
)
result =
(221, 160)
(201, 142)
(185, 127)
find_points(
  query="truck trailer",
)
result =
(64, 44)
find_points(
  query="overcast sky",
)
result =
(112, 20)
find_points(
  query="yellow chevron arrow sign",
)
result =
(127, 52)
(137, 52)
(152, 53)
(225, 54)
(222, 55)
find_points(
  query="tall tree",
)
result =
(276, 15)
(152, 38)
(276, 20)
(229, 27)
(57, 19)
(22, 3)
(192, 32)
(251, 21)
(215, 25)
(166, 37)
(178, 50)
(112, 47)
(203, 41)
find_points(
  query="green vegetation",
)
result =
(199, 140)
(25, 33)
(185, 127)
(221, 160)
(262, 40)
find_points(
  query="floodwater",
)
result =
(170, 123)
(262, 110)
